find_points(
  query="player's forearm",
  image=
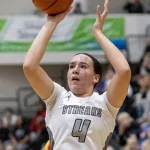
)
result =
(38, 47)
(114, 56)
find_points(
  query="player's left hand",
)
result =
(100, 17)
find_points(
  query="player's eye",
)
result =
(71, 66)
(83, 66)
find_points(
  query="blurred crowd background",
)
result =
(132, 131)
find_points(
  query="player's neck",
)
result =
(83, 95)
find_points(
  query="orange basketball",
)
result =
(52, 7)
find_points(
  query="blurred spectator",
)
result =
(102, 87)
(40, 140)
(129, 106)
(145, 64)
(133, 6)
(114, 142)
(143, 68)
(108, 75)
(146, 144)
(4, 133)
(145, 126)
(9, 118)
(43, 137)
(146, 61)
(132, 143)
(146, 121)
(20, 135)
(9, 147)
(36, 126)
(39, 115)
(78, 9)
(142, 98)
(125, 126)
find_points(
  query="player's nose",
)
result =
(75, 70)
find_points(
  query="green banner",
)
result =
(2, 23)
(74, 34)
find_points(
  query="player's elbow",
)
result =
(28, 67)
(125, 73)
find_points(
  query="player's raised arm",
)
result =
(37, 77)
(118, 87)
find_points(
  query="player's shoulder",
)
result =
(58, 93)
(58, 88)
(99, 99)
(97, 96)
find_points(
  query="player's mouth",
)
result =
(75, 79)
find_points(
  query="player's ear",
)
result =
(96, 78)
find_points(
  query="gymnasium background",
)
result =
(130, 32)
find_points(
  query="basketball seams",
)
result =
(53, 8)
(70, 2)
(50, 5)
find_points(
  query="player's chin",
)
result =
(76, 89)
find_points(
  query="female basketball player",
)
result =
(79, 119)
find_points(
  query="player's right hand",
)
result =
(59, 17)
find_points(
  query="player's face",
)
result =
(81, 75)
